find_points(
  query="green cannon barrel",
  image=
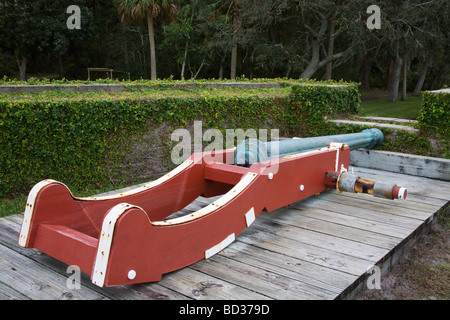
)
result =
(252, 150)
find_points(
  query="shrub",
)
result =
(435, 113)
(314, 103)
(83, 139)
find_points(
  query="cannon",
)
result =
(251, 151)
(132, 236)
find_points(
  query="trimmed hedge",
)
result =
(435, 113)
(84, 141)
(314, 103)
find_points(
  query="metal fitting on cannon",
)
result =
(348, 182)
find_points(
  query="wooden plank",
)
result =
(9, 293)
(405, 206)
(321, 240)
(398, 177)
(408, 207)
(323, 257)
(431, 167)
(370, 211)
(258, 280)
(200, 286)
(141, 291)
(284, 215)
(323, 279)
(412, 201)
(418, 198)
(193, 206)
(36, 281)
(9, 233)
(355, 222)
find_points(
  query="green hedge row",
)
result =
(81, 141)
(435, 113)
(314, 103)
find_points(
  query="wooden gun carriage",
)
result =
(127, 238)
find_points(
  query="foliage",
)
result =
(273, 38)
(398, 140)
(435, 113)
(33, 28)
(314, 103)
(84, 138)
(61, 139)
(166, 83)
(138, 9)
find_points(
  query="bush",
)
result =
(435, 113)
(314, 103)
(82, 139)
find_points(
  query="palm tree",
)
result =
(149, 9)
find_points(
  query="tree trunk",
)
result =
(315, 64)
(405, 64)
(288, 71)
(397, 70)
(76, 59)
(221, 69)
(233, 62)
(151, 35)
(60, 66)
(234, 49)
(389, 72)
(198, 71)
(22, 64)
(422, 74)
(183, 65)
(366, 72)
(329, 69)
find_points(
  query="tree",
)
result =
(322, 34)
(33, 28)
(149, 9)
(185, 39)
(321, 26)
(222, 28)
(19, 31)
(410, 29)
(434, 42)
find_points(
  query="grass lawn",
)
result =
(13, 206)
(407, 109)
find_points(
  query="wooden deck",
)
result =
(318, 248)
